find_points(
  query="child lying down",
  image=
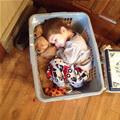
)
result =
(70, 68)
(73, 61)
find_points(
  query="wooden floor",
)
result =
(18, 101)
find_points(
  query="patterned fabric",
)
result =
(63, 74)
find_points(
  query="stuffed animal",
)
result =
(55, 91)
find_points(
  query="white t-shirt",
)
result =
(77, 52)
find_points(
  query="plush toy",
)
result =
(55, 91)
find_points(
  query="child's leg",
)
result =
(78, 77)
(61, 73)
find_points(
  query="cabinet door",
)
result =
(8, 10)
(85, 3)
(107, 9)
(114, 34)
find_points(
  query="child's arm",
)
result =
(74, 50)
(69, 54)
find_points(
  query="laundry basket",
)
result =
(80, 21)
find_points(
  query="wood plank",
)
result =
(112, 10)
(116, 104)
(99, 107)
(100, 26)
(85, 3)
(99, 6)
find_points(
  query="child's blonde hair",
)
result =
(53, 26)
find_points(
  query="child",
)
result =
(73, 62)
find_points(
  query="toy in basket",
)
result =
(68, 73)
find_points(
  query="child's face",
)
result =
(59, 39)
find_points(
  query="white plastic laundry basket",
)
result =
(80, 21)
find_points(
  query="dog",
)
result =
(45, 52)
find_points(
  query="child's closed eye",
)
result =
(55, 40)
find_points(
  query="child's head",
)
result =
(57, 31)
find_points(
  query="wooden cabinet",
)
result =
(108, 9)
(7, 11)
(85, 3)
(10, 12)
